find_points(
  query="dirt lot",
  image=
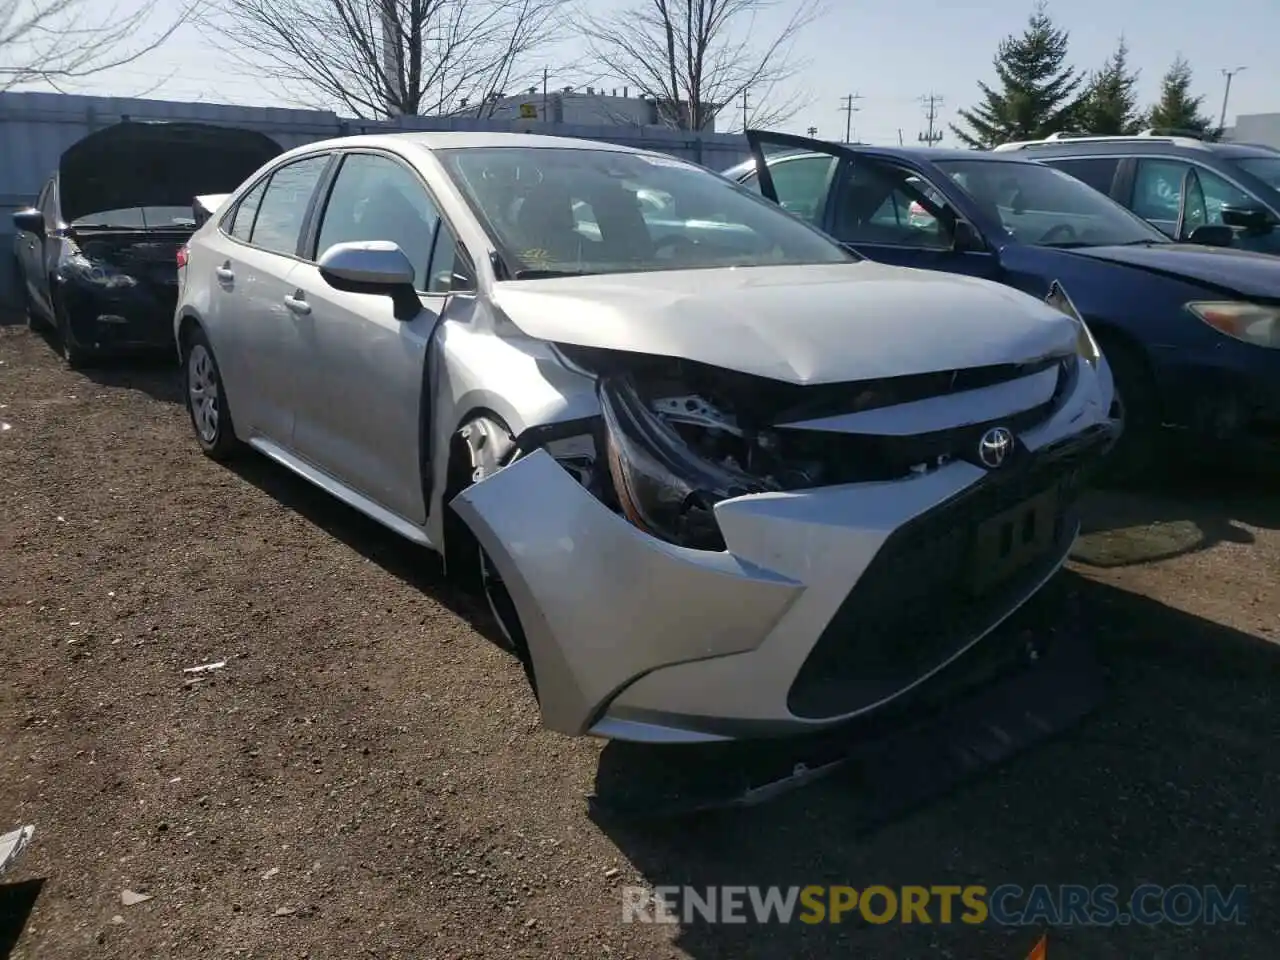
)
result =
(367, 776)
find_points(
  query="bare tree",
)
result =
(383, 58)
(61, 41)
(696, 58)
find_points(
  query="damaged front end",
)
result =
(675, 561)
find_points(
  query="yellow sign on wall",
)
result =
(528, 111)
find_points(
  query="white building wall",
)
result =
(1263, 128)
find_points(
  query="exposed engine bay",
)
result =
(677, 437)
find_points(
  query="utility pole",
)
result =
(899, 136)
(545, 118)
(931, 104)
(846, 104)
(1222, 120)
(744, 110)
(812, 131)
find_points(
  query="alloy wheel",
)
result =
(202, 393)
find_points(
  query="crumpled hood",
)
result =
(146, 163)
(1240, 272)
(799, 324)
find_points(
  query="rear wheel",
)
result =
(206, 398)
(1136, 403)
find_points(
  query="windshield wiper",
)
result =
(540, 273)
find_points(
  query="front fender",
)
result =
(601, 602)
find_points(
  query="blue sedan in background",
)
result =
(1191, 330)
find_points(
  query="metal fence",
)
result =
(36, 127)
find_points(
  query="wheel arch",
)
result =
(461, 462)
(1109, 334)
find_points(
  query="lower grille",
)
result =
(918, 602)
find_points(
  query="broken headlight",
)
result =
(1086, 346)
(77, 265)
(662, 485)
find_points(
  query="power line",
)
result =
(848, 106)
(931, 104)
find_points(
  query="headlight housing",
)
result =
(1249, 322)
(88, 270)
(1086, 347)
(662, 486)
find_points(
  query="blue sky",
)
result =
(889, 53)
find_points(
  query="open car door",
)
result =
(883, 208)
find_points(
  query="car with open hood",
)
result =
(1191, 329)
(97, 253)
(717, 476)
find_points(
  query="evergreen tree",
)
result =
(1110, 106)
(1177, 108)
(1038, 90)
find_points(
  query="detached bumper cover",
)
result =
(827, 603)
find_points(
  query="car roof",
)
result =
(465, 139)
(1132, 145)
(927, 154)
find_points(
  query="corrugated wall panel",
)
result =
(36, 127)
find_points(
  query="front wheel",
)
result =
(206, 399)
(73, 355)
(1137, 405)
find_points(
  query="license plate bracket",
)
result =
(1012, 539)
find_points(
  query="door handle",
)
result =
(225, 273)
(297, 303)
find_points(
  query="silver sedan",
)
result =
(717, 476)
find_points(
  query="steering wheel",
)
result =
(677, 244)
(1064, 231)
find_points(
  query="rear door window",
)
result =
(240, 224)
(1097, 172)
(283, 210)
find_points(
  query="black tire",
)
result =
(1131, 459)
(73, 355)
(205, 398)
(24, 300)
(470, 567)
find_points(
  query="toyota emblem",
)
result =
(995, 446)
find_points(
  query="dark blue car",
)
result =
(1191, 330)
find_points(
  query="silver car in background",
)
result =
(718, 477)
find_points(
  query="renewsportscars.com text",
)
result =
(1006, 905)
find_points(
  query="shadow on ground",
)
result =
(417, 566)
(1172, 779)
(1191, 506)
(17, 900)
(154, 373)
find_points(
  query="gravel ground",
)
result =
(367, 775)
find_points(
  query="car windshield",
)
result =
(555, 211)
(1266, 169)
(138, 218)
(1045, 207)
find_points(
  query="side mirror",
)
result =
(1253, 220)
(966, 239)
(1212, 235)
(377, 267)
(1193, 212)
(29, 220)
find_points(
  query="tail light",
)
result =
(182, 256)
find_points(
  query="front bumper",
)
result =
(828, 603)
(106, 320)
(1229, 393)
